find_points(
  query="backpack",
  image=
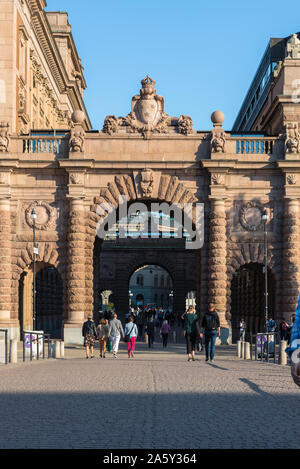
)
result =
(284, 326)
(211, 321)
(90, 328)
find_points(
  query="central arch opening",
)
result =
(151, 286)
(137, 242)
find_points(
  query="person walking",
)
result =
(242, 330)
(150, 330)
(140, 323)
(290, 327)
(293, 349)
(191, 329)
(89, 333)
(115, 332)
(271, 325)
(102, 331)
(211, 327)
(131, 333)
(283, 329)
(165, 330)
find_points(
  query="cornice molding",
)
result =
(46, 39)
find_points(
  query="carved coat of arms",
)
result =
(147, 180)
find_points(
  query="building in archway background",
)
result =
(68, 172)
(151, 286)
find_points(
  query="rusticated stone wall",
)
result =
(290, 259)
(6, 261)
(76, 275)
(217, 279)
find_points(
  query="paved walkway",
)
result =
(156, 400)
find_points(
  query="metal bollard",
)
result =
(283, 355)
(246, 350)
(242, 350)
(238, 349)
(174, 337)
(52, 348)
(146, 338)
(13, 351)
(57, 349)
(62, 349)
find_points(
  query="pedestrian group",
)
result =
(110, 331)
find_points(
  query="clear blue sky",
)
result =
(202, 54)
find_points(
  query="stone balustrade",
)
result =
(242, 146)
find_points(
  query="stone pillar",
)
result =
(6, 320)
(75, 273)
(290, 260)
(217, 268)
(283, 355)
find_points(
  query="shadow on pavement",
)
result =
(156, 420)
(216, 366)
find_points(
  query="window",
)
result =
(140, 280)
(156, 280)
(162, 281)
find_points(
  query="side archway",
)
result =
(50, 284)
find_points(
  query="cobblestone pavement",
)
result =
(156, 400)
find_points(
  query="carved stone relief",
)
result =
(250, 216)
(45, 215)
(147, 182)
(147, 116)
(76, 178)
(293, 47)
(292, 138)
(4, 137)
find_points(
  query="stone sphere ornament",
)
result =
(78, 117)
(217, 118)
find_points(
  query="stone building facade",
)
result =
(41, 76)
(74, 181)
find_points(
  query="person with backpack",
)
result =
(211, 327)
(131, 333)
(89, 333)
(102, 331)
(283, 329)
(191, 330)
(115, 332)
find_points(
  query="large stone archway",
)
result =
(84, 226)
(145, 157)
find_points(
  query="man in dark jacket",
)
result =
(150, 329)
(211, 326)
(89, 333)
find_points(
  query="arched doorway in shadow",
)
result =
(49, 300)
(248, 299)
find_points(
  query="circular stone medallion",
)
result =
(251, 216)
(44, 215)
